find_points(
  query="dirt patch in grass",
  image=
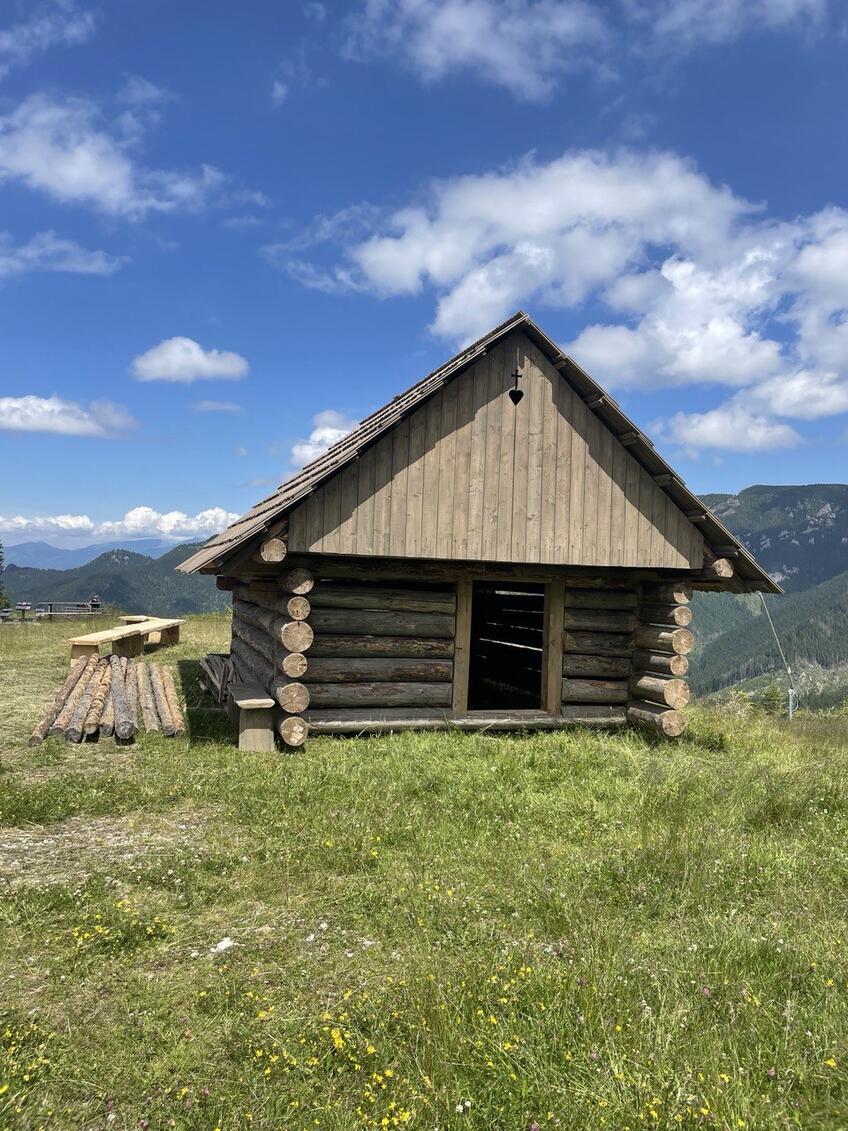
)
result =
(71, 851)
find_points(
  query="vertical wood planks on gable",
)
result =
(445, 513)
(603, 515)
(590, 488)
(415, 482)
(332, 514)
(364, 521)
(430, 503)
(535, 470)
(506, 466)
(520, 456)
(549, 470)
(631, 510)
(579, 455)
(617, 506)
(562, 478)
(400, 488)
(476, 478)
(382, 495)
(462, 480)
(494, 365)
(349, 498)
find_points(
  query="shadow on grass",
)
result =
(206, 721)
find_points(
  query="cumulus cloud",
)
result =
(101, 419)
(48, 252)
(731, 427)
(65, 149)
(50, 25)
(329, 427)
(492, 38)
(139, 522)
(184, 360)
(217, 406)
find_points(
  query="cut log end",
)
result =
(297, 581)
(667, 692)
(719, 568)
(661, 720)
(294, 664)
(271, 551)
(293, 730)
(292, 697)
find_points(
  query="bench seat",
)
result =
(128, 639)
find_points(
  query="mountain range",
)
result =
(133, 582)
(41, 555)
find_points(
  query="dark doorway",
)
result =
(507, 628)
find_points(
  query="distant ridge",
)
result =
(134, 582)
(41, 555)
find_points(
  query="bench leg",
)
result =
(170, 635)
(130, 646)
(256, 730)
(78, 650)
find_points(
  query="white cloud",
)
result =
(184, 360)
(279, 92)
(65, 150)
(730, 426)
(58, 24)
(101, 419)
(330, 427)
(217, 406)
(48, 252)
(524, 45)
(139, 522)
(685, 23)
(138, 91)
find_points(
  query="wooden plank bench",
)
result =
(137, 618)
(129, 639)
(252, 710)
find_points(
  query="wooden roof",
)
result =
(273, 509)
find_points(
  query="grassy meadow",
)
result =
(579, 930)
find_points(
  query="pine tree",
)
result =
(4, 596)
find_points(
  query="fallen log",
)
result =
(124, 722)
(173, 700)
(654, 638)
(107, 719)
(663, 663)
(145, 698)
(604, 691)
(40, 732)
(131, 687)
(334, 644)
(679, 615)
(662, 720)
(161, 700)
(668, 692)
(60, 723)
(76, 727)
(98, 701)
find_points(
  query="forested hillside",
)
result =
(133, 582)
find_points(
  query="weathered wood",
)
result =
(297, 608)
(161, 700)
(293, 697)
(720, 569)
(295, 635)
(594, 691)
(670, 593)
(380, 694)
(296, 581)
(292, 730)
(124, 720)
(374, 597)
(462, 648)
(655, 638)
(663, 663)
(585, 714)
(255, 717)
(552, 643)
(174, 707)
(293, 664)
(40, 732)
(372, 720)
(250, 661)
(596, 643)
(325, 669)
(146, 699)
(679, 615)
(600, 620)
(255, 638)
(271, 551)
(107, 719)
(227, 584)
(653, 717)
(131, 685)
(601, 599)
(376, 622)
(332, 644)
(669, 692)
(595, 667)
(98, 701)
(76, 726)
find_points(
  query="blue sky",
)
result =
(226, 235)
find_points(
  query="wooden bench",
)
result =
(128, 640)
(252, 710)
(138, 618)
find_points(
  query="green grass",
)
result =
(446, 931)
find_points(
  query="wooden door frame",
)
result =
(553, 593)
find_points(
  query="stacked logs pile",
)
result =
(270, 638)
(597, 643)
(102, 697)
(658, 691)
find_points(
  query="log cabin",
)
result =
(499, 547)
